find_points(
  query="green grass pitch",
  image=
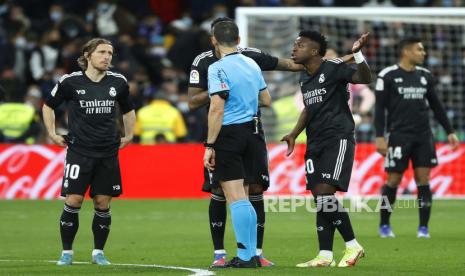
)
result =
(176, 233)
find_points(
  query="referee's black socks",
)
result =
(425, 201)
(217, 214)
(101, 227)
(388, 197)
(69, 224)
(259, 206)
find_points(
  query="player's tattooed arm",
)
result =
(129, 120)
(363, 73)
(298, 128)
(49, 121)
(197, 97)
(286, 64)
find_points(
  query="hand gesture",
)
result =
(209, 159)
(381, 145)
(359, 43)
(453, 141)
(290, 141)
(124, 141)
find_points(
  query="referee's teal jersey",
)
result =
(239, 80)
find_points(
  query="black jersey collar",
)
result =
(317, 71)
(231, 54)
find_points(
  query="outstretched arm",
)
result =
(363, 73)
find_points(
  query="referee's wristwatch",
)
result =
(208, 145)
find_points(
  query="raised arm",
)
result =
(363, 72)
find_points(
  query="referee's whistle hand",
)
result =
(290, 141)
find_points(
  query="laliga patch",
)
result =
(379, 84)
(194, 77)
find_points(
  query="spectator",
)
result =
(159, 117)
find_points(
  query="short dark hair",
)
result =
(226, 33)
(406, 42)
(220, 19)
(318, 38)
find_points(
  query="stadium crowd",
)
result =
(155, 43)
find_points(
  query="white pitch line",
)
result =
(197, 271)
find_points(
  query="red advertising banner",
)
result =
(175, 171)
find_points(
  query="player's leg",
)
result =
(425, 200)
(257, 176)
(423, 159)
(105, 184)
(256, 199)
(244, 220)
(395, 163)
(388, 198)
(101, 224)
(75, 182)
(217, 215)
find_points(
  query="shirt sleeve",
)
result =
(346, 72)
(198, 74)
(381, 94)
(217, 81)
(124, 100)
(58, 95)
(437, 107)
(262, 83)
(265, 61)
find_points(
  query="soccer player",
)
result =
(198, 96)
(92, 142)
(236, 87)
(405, 90)
(330, 139)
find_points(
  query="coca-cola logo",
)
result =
(30, 172)
(287, 175)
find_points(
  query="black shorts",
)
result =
(101, 174)
(240, 154)
(330, 163)
(404, 147)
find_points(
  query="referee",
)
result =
(236, 88)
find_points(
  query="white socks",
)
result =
(326, 254)
(353, 244)
(96, 251)
(71, 252)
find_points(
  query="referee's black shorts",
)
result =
(240, 153)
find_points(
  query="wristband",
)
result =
(359, 58)
(208, 145)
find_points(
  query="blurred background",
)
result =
(156, 41)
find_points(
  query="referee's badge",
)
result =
(194, 76)
(112, 91)
(423, 81)
(322, 78)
